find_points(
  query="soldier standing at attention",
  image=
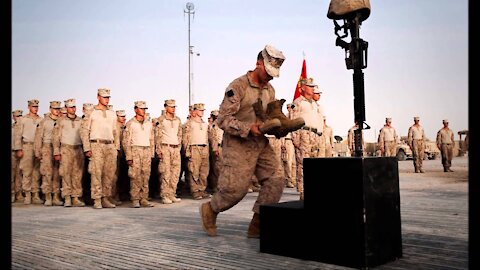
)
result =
(63, 112)
(445, 143)
(139, 147)
(100, 144)
(388, 139)
(120, 126)
(320, 152)
(195, 142)
(67, 149)
(44, 152)
(168, 132)
(29, 165)
(215, 141)
(328, 133)
(16, 174)
(246, 150)
(288, 155)
(416, 141)
(305, 139)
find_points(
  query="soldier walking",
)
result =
(16, 187)
(416, 141)
(24, 147)
(67, 149)
(388, 139)
(168, 143)
(100, 144)
(446, 142)
(44, 152)
(245, 150)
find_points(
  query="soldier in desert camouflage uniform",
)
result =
(320, 138)
(288, 155)
(117, 179)
(44, 152)
(24, 147)
(16, 174)
(215, 142)
(416, 141)
(329, 142)
(168, 132)
(139, 147)
(306, 140)
(63, 112)
(67, 149)
(100, 143)
(446, 142)
(388, 139)
(246, 150)
(195, 142)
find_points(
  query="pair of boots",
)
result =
(73, 201)
(275, 122)
(142, 202)
(29, 199)
(55, 201)
(209, 220)
(104, 202)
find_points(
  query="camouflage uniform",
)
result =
(99, 136)
(29, 165)
(446, 142)
(168, 138)
(276, 145)
(139, 147)
(120, 127)
(44, 152)
(67, 144)
(235, 118)
(306, 140)
(329, 143)
(416, 141)
(195, 142)
(388, 139)
(351, 140)
(16, 186)
(215, 141)
(288, 159)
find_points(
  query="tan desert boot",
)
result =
(254, 227)
(209, 219)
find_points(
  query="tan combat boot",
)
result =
(166, 200)
(135, 203)
(19, 196)
(48, 199)
(56, 199)
(174, 199)
(274, 111)
(106, 203)
(68, 201)
(76, 202)
(209, 219)
(145, 203)
(254, 227)
(36, 198)
(28, 198)
(97, 204)
(114, 201)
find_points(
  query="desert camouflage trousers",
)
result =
(169, 170)
(49, 170)
(198, 167)
(289, 162)
(320, 146)
(30, 169)
(102, 166)
(305, 144)
(418, 152)
(16, 174)
(215, 166)
(71, 170)
(447, 154)
(389, 148)
(243, 158)
(139, 172)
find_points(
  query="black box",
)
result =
(351, 217)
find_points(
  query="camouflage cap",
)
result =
(388, 119)
(121, 113)
(273, 60)
(33, 102)
(215, 112)
(87, 106)
(64, 110)
(104, 92)
(199, 106)
(170, 103)
(141, 104)
(70, 103)
(17, 113)
(317, 90)
(445, 121)
(309, 82)
(416, 118)
(55, 104)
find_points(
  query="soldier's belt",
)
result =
(314, 130)
(288, 139)
(102, 141)
(171, 145)
(200, 145)
(447, 143)
(141, 146)
(71, 146)
(29, 143)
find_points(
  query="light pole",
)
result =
(191, 72)
(190, 11)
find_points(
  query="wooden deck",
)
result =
(434, 216)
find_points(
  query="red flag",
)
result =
(303, 75)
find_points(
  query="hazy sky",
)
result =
(417, 55)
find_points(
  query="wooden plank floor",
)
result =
(434, 216)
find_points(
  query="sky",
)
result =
(417, 56)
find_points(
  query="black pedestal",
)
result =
(352, 219)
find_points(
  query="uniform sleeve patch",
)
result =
(230, 93)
